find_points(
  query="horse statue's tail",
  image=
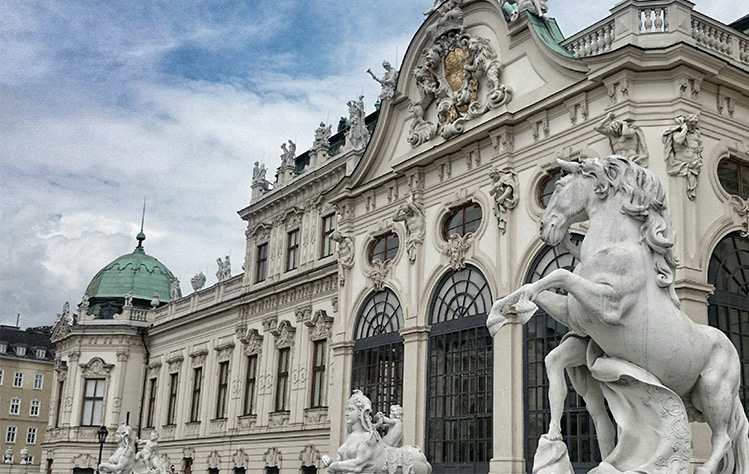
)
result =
(737, 459)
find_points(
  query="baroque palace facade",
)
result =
(372, 261)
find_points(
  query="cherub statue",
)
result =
(147, 460)
(123, 459)
(129, 299)
(683, 150)
(388, 81)
(394, 424)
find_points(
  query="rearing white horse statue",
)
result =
(622, 296)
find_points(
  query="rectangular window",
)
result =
(292, 252)
(3, 348)
(282, 379)
(188, 465)
(151, 403)
(93, 401)
(197, 383)
(172, 411)
(41, 353)
(262, 262)
(249, 386)
(58, 409)
(18, 379)
(35, 407)
(31, 436)
(328, 227)
(223, 388)
(1, 376)
(318, 374)
(10, 434)
(38, 381)
(20, 351)
(15, 406)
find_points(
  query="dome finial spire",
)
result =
(141, 236)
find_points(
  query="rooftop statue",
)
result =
(536, 7)
(288, 157)
(388, 81)
(322, 137)
(224, 269)
(258, 176)
(364, 450)
(175, 292)
(656, 368)
(123, 459)
(358, 135)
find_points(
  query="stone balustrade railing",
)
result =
(658, 23)
(200, 299)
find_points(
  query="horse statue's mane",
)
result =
(645, 201)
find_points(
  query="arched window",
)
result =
(462, 220)
(733, 174)
(378, 351)
(459, 375)
(547, 185)
(540, 335)
(729, 304)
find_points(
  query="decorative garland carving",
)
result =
(450, 78)
(504, 190)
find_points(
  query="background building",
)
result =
(26, 379)
(434, 217)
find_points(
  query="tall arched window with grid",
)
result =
(540, 335)
(728, 308)
(459, 375)
(378, 350)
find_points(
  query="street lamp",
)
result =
(102, 433)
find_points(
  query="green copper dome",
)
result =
(136, 272)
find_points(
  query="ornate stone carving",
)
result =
(258, 177)
(310, 456)
(154, 368)
(261, 232)
(224, 351)
(504, 190)
(364, 450)
(84, 461)
(198, 281)
(303, 314)
(284, 334)
(378, 273)
(741, 207)
(96, 368)
(175, 292)
(319, 326)
(188, 453)
(536, 7)
(358, 134)
(411, 213)
(270, 323)
(241, 458)
(626, 139)
(388, 81)
(214, 460)
(683, 151)
(273, 457)
(456, 249)
(123, 459)
(253, 342)
(175, 363)
(288, 157)
(450, 78)
(123, 355)
(198, 357)
(655, 382)
(344, 253)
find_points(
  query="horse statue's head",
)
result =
(587, 185)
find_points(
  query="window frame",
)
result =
(58, 413)
(18, 380)
(41, 353)
(11, 430)
(550, 178)
(93, 399)
(2, 376)
(197, 387)
(222, 390)
(327, 245)
(152, 388)
(250, 385)
(40, 379)
(282, 379)
(386, 239)
(317, 382)
(292, 250)
(171, 413)
(32, 430)
(15, 406)
(35, 404)
(461, 211)
(261, 262)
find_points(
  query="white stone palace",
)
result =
(373, 259)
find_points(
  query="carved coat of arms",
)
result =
(458, 77)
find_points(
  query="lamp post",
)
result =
(102, 433)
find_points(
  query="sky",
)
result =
(106, 104)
